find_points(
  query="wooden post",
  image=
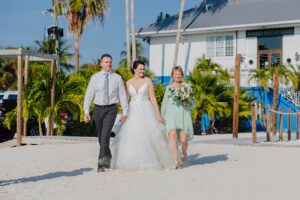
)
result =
(289, 125)
(253, 122)
(281, 125)
(275, 98)
(268, 123)
(51, 118)
(298, 121)
(235, 117)
(19, 102)
(25, 85)
(26, 70)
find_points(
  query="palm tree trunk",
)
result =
(40, 126)
(262, 106)
(198, 123)
(178, 32)
(133, 32)
(127, 34)
(25, 120)
(275, 96)
(76, 46)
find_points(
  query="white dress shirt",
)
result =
(96, 89)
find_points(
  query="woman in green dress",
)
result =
(177, 116)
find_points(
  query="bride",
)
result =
(141, 143)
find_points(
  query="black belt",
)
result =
(106, 106)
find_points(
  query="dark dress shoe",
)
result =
(101, 169)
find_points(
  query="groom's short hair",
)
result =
(105, 55)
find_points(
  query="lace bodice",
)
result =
(141, 93)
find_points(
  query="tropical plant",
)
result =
(8, 76)
(207, 101)
(139, 55)
(213, 93)
(261, 77)
(79, 13)
(69, 95)
(49, 47)
(285, 75)
(296, 70)
(159, 92)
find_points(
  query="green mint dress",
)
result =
(176, 116)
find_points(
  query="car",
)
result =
(10, 95)
(8, 102)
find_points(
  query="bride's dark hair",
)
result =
(135, 64)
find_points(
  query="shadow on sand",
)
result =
(195, 159)
(47, 176)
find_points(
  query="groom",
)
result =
(107, 89)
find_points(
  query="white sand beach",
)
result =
(218, 170)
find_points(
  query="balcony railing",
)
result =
(288, 93)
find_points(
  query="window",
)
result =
(229, 46)
(210, 47)
(12, 96)
(220, 46)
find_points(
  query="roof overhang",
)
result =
(33, 56)
(253, 26)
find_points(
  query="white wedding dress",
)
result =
(141, 142)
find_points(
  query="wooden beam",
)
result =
(235, 118)
(19, 103)
(51, 118)
(289, 125)
(26, 69)
(275, 98)
(281, 124)
(298, 123)
(25, 85)
(253, 111)
(268, 129)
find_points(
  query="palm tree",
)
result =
(49, 47)
(79, 14)
(261, 77)
(139, 55)
(127, 34)
(178, 32)
(69, 95)
(205, 87)
(296, 71)
(133, 32)
(213, 93)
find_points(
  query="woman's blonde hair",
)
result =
(176, 68)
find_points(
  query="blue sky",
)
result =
(22, 22)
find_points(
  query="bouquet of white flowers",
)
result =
(183, 95)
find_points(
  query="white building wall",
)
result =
(193, 47)
(291, 46)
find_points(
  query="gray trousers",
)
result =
(104, 117)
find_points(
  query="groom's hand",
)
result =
(87, 118)
(123, 118)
